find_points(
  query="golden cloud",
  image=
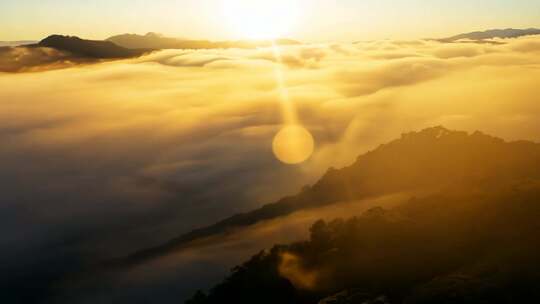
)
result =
(188, 134)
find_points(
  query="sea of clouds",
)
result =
(99, 160)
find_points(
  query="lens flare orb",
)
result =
(293, 145)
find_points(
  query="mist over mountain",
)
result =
(108, 166)
(157, 41)
(491, 34)
(17, 43)
(431, 159)
(472, 239)
(57, 51)
(465, 244)
(90, 48)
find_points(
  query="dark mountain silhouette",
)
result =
(58, 51)
(157, 41)
(490, 34)
(464, 244)
(431, 159)
(71, 50)
(150, 40)
(90, 48)
(472, 239)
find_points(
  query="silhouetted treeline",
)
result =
(461, 244)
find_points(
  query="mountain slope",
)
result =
(491, 34)
(58, 51)
(434, 158)
(89, 48)
(464, 244)
(150, 40)
(156, 41)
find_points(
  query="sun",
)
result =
(258, 19)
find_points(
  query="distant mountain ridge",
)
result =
(157, 41)
(90, 48)
(491, 34)
(434, 157)
(465, 243)
(57, 51)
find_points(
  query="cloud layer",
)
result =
(100, 160)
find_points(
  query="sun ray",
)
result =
(287, 107)
(293, 144)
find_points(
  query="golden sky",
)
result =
(316, 20)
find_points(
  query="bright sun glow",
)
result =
(257, 19)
